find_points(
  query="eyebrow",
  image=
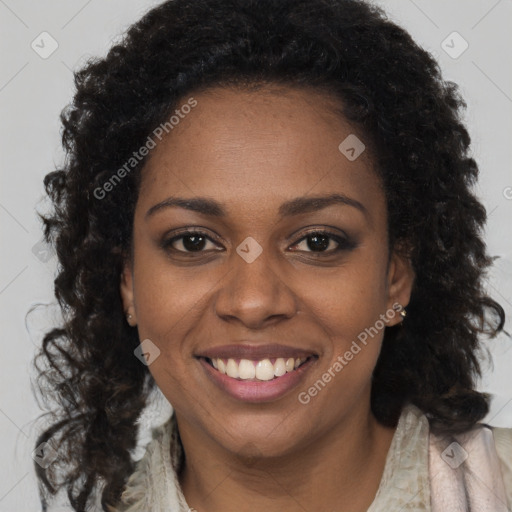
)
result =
(297, 206)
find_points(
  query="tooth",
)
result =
(279, 367)
(232, 369)
(264, 370)
(246, 369)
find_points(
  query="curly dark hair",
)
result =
(387, 86)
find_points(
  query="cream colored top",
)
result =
(406, 483)
(471, 472)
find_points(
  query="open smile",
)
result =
(257, 380)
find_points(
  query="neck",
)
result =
(341, 470)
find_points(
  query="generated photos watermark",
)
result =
(343, 360)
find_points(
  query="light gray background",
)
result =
(34, 90)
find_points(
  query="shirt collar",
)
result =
(404, 485)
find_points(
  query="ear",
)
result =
(127, 295)
(400, 282)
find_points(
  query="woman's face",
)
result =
(257, 283)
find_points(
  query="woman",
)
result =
(266, 212)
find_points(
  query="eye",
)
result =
(318, 241)
(322, 241)
(189, 242)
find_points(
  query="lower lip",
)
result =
(257, 391)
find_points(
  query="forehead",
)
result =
(251, 145)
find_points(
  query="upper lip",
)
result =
(254, 352)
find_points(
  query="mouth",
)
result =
(259, 370)
(256, 373)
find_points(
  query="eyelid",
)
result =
(194, 230)
(331, 231)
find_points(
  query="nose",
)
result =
(254, 293)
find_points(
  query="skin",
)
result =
(251, 151)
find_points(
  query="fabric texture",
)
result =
(471, 472)
(465, 473)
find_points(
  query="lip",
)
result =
(257, 391)
(254, 352)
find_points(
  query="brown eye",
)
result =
(188, 242)
(318, 242)
(323, 242)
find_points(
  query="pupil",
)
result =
(318, 242)
(191, 245)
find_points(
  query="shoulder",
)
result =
(503, 444)
(475, 465)
(153, 485)
(139, 491)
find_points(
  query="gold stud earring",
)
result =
(400, 309)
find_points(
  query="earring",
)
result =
(129, 317)
(401, 309)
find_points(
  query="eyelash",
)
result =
(344, 243)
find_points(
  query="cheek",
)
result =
(350, 308)
(166, 301)
(350, 298)
(162, 294)
(167, 307)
